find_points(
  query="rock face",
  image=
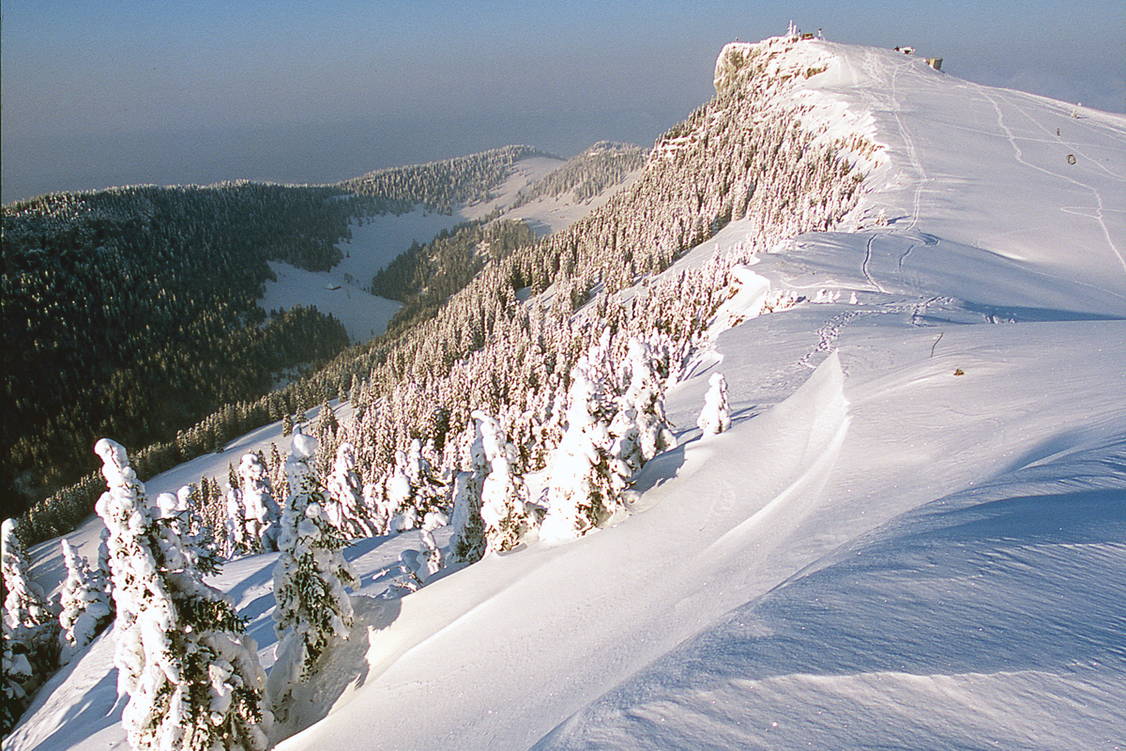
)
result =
(734, 60)
(769, 62)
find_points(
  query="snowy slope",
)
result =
(879, 554)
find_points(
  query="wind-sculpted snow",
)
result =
(992, 608)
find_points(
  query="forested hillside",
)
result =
(131, 311)
(425, 276)
(443, 185)
(585, 175)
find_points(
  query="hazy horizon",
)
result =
(97, 96)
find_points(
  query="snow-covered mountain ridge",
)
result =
(914, 541)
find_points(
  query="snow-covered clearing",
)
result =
(551, 214)
(913, 536)
(375, 242)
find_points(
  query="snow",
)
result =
(879, 552)
(363, 314)
(550, 214)
(524, 173)
(344, 292)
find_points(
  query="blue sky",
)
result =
(123, 91)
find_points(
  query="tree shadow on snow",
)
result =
(665, 466)
(344, 666)
(98, 708)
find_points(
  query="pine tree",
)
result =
(85, 605)
(716, 415)
(235, 541)
(344, 496)
(433, 561)
(18, 676)
(644, 398)
(585, 479)
(504, 512)
(467, 544)
(24, 604)
(191, 672)
(260, 513)
(179, 512)
(29, 630)
(105, 576)
(309, 578)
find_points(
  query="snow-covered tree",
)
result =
(467, 544)
(585, 479)
(260, 512)
(233, 540)
(378, 509)
(505, 512)
(29, 629)
(411, 489)
(180, 513)
(105, 575)
(309, 578)
(433, 561)
(191, 672)
(24, 604)
(18, 676)
(716, 415)
(398, 507)
(644, 401)
(344, 496)
(85, 605)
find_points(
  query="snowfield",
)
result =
(913, 535)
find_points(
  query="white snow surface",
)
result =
(912, 536)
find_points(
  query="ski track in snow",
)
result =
(1019, 156)
(867, 260)
(903, 256)
(872, 69)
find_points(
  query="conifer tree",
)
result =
(260, 512)
(29, 630)
(344, 496)
(585, 479)
(191, 672)
(105, 576)
(85, 609)
(716, 415)
(309, 578)
(18, 675)
(24, 604)
(644, 398)
(467, 544)
(505, 513)
(433, 561)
